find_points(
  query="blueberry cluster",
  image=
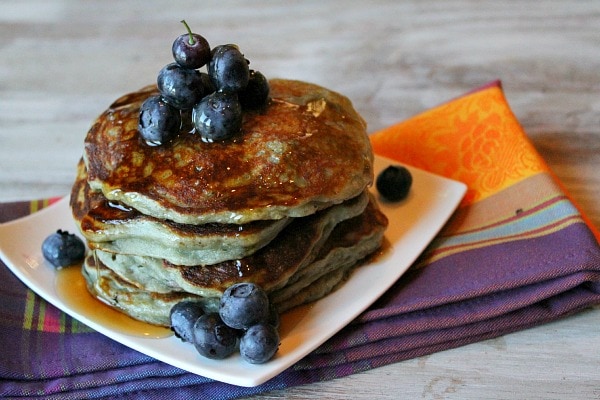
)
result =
(244, 321)
(215, 99)
(62, 249)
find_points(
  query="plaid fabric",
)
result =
(517, 253)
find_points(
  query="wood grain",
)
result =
(63, 62)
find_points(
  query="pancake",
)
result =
(344, 249)
(116, 228)
(307, 151)
(270, 268)
(145, 306)
(351, 240)
(284, 204)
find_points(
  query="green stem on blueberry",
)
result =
(191, 40)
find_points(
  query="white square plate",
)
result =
(413, 224)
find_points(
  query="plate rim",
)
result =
(253, 375)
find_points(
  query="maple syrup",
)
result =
(71, 288)
(291, 318)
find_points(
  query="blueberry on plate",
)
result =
(183, 316)
(394, 183)
(274, 318)
(213, 338)
(259, 343)
(62, 249)
(243, 305)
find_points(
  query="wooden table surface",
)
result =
(62, 62)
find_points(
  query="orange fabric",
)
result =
(474, 139)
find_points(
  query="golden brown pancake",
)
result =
(116, 228)
(308, 150)
(300, 276)
(270, 267)
(142, 305)
(284, 204)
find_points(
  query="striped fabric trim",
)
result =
(43, 317)
(40, 315)
(37, 205)
(548, 217)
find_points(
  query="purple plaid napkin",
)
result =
(510, 258)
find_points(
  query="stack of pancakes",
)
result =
(283, 204)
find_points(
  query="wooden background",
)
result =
(62, 62)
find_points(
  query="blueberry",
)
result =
(218, 116)
(228, 68)
(243, 305)
(274, 318)
(259, 344)
(256, 94)
(158, 121)
(183, 316)
(394, 182)
(212, 338)
(207, 83)
(180, 87)
(191, 50)
(62, 249)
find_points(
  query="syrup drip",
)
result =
(291, 318)
(71, 288)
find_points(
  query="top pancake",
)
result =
(308, 150)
